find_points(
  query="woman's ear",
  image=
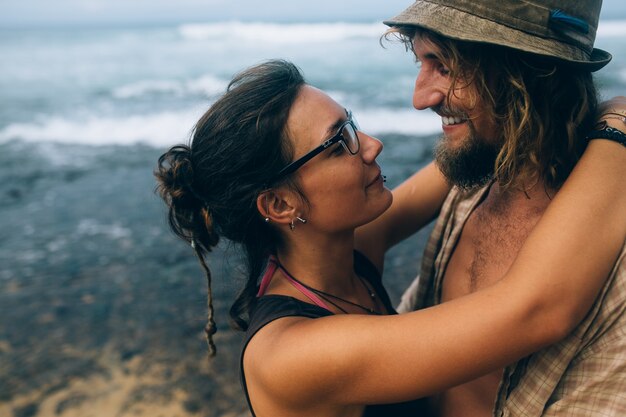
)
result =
(277, 206)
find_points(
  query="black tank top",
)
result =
(272, 307)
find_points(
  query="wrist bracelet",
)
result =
(610, 133)
(614, 116)
(615, 112)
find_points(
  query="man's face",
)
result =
(470, 143)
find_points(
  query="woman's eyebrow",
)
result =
(332, 129)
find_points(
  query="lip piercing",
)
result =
(384, 178)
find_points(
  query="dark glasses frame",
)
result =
(337, 137)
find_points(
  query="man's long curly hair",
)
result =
(542, 106)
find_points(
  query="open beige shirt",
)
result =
(583, 375)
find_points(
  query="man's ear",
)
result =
(279, 206)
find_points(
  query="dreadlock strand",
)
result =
(210, 329)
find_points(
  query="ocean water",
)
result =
(149, 85)
(92, 284)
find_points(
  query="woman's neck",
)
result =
(322, 262)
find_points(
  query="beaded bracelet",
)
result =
(607, 132)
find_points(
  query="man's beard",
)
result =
(469, 166)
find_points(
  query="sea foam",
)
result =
(397, 121)
(273, 33)
(207, 85)
(168, 128)
(158, 129)
(281, 33)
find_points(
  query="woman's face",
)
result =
(344, 191)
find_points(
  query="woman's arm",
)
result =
(551, 285)
(415, 203)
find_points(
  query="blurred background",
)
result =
(101, 308)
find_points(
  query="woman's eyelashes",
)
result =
(338, 149)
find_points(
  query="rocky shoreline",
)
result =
(102, 308)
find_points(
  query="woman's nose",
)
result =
(371, 147)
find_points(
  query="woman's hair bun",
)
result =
(175, 175)
(189, 216)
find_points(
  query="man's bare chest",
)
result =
(486, 249)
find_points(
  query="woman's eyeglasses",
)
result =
(346, 135)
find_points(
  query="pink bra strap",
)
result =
(307, 293)
(267, 278)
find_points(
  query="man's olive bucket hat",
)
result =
(563, 29)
